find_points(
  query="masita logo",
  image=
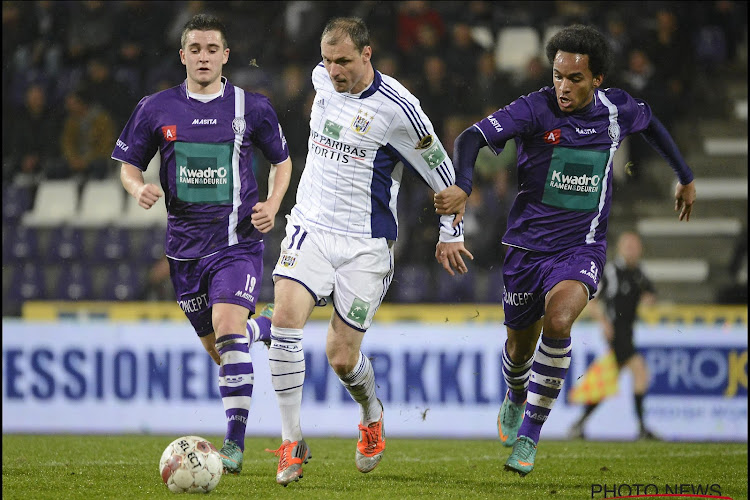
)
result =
(204, 121)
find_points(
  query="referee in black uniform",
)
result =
(623, 287)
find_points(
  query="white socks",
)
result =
(287, 362)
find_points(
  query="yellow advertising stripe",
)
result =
(424, 313)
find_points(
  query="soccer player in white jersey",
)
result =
(364, 127)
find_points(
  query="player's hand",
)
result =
(451, 200)
(147, 195)
(449, 255)
(684, 196)
(264, 215)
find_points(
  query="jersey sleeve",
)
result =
(268, 135)
(137, 143)
(635, 113)
(413, 138)
(514, 119)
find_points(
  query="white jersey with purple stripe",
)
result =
(564, 164)
(358, 146)
(206, 162)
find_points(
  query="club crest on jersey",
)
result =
(288, 260)
(614, 132)
(361, 123)
(425, 142)
(238, 125)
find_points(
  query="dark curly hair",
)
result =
(580, 39)
(204, 22)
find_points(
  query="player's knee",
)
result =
(520, 353)
(341, 362)
(226, 325)
(558, 324)
(283, 318)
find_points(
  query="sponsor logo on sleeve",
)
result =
(283, 138)
(552, 136)
(170, 133)
(434, 155)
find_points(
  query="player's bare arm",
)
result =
(684, 196)
(146, 194)
(451, 200)
(450, 256)
(264, 213)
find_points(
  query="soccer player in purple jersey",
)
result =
(566, 136)
(205, 130)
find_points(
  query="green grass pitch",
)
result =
(64, 467)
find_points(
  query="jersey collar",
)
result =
(223, 86)
(373, 86)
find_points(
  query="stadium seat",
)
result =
(66, 243)
(495, 286)
(135, 216)
(101, 203)
(458, 288)
(412, 283)
(74, 283)
(516, 45)
(21, 243)
(16, 202)
(549, 32)
(111, 244)
(152, 243)
(122, 282)
(28, 283)
(55, 203)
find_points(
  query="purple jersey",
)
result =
(206, 162)
(564, 164)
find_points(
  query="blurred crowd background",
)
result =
(73, 72)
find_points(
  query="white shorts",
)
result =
(356, 272)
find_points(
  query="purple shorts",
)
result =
(231, 276)
(528, 276)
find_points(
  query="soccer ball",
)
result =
(190, 464)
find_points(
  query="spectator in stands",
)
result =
(413, 15)
(490, 86)
(158, 283)
(92, 27)
(112, 95)
(461, 56)
(669, 49)
(31, 148)
(640, 80)
(534, 77)
(87, 137)
(437, 92)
